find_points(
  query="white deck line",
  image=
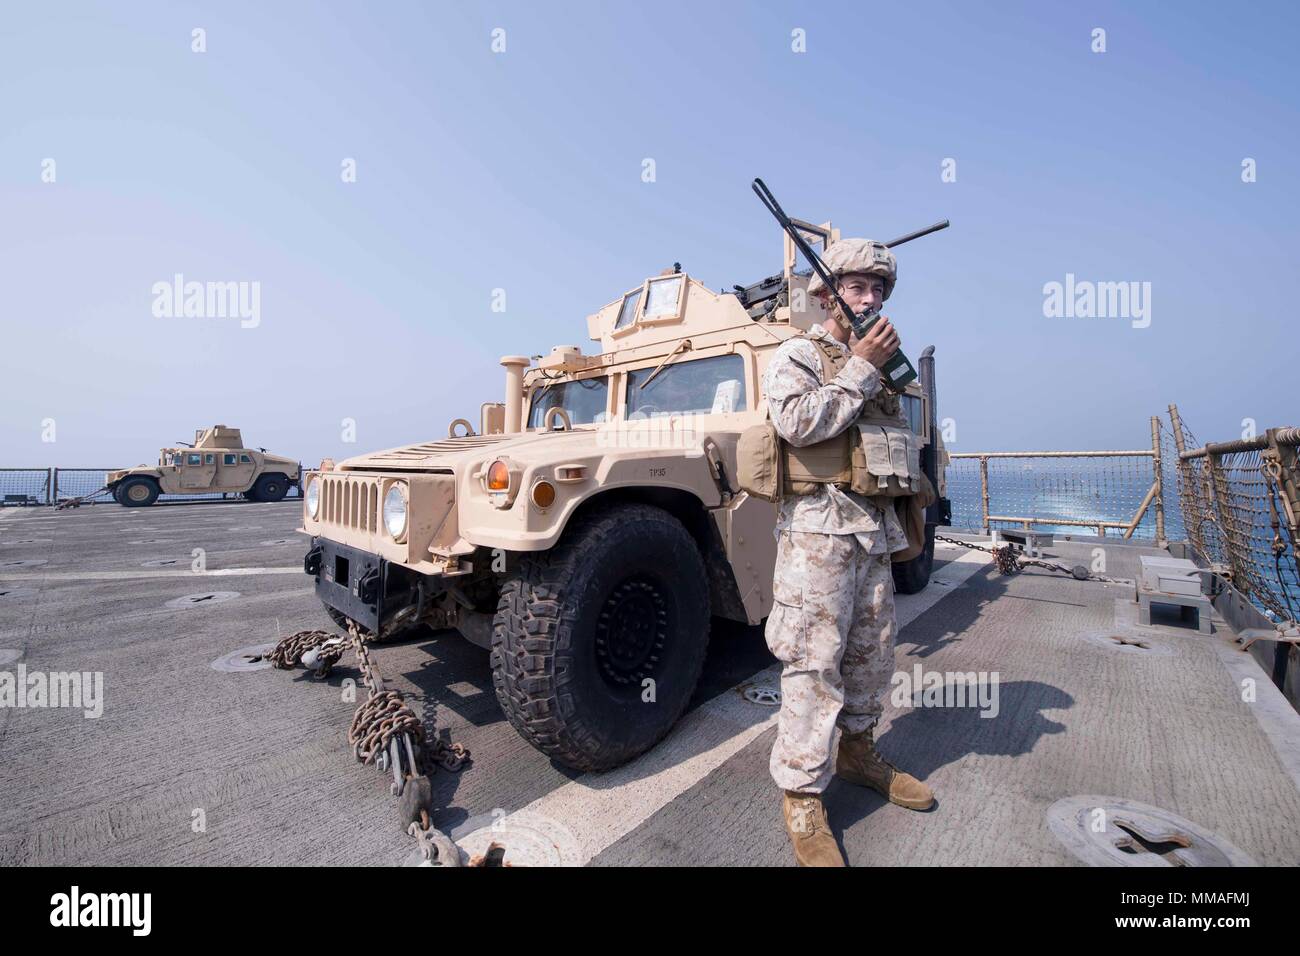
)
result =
(132, 575)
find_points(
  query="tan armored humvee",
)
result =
(216, 462)
(589, 528)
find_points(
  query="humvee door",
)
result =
(234, 470)
(199, 470)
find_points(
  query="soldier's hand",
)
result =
(880, 343)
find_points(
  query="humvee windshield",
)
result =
(585, 400)
(702, 387)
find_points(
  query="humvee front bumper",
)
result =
(349, 580)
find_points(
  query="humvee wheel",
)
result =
(269, 488)
(911, 577)
(137, 492)
(598, 644)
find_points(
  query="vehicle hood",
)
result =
(445, 454)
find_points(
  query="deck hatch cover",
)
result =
(1113, 831)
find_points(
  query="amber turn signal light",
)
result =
(498, 476)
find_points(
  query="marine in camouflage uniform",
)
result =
(832, 623)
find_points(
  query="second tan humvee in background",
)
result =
(217, 462)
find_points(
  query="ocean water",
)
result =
(1108, 489)
(1074, 489)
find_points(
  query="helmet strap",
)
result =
(838, 314)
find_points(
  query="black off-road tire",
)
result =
(911, 577)
(137, 492)
(272, 487)
(622, 597)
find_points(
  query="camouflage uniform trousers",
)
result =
(832, 626)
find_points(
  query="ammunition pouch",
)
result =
(886, 461)
(876, 456)
(879, 461)
(867, 458)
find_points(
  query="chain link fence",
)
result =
(81, 482)
(26, 486)
(1240, 501)
(1237, 503)
(43, 486)
(1081, 492)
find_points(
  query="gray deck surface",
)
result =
(263, 754)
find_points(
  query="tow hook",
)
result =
(368, 586)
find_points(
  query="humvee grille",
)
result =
(350, 502)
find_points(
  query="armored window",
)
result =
(194, 459)
(209, 459)
(585, 400)
(229, 459)
(663, 296)
(178, 458)
(244, 459)
(705, 386)
(628, 312)
(913, 407)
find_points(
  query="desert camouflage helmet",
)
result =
(846, 256)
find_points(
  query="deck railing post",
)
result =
(984, 490)
(1157, 464)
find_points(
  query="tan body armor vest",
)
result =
(877, 456)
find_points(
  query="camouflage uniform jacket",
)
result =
(805, 410)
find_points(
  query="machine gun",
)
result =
(898, 370)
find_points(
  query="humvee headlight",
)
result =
(498, 476)
(543, 494)
(313, 497)
(395, 510)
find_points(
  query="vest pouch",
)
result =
(905, 454)
(825, 463)
(758, 461)
(911, 514)
(889, 463)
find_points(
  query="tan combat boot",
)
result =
(810, 835)
(859, 763)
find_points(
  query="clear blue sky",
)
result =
(522, 170)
